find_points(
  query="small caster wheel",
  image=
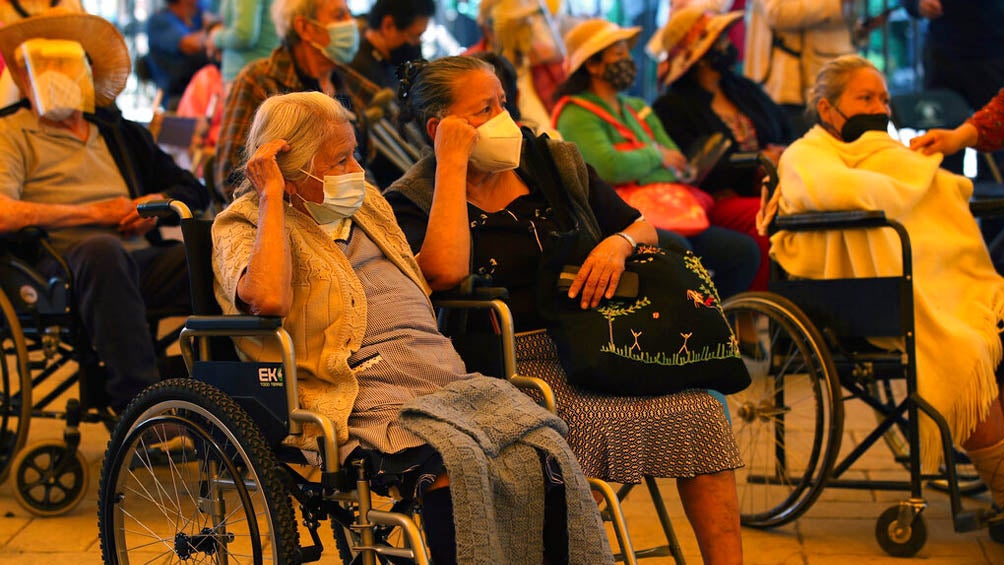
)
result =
(900, 541)
(49, 481)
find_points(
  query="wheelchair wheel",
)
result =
(15, 387)
(789, 422)
(49, 480)
(900, 540)
(189, 476)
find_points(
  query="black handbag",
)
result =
(670, 336)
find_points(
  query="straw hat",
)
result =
(497, 10)
(689, 34)
(104, 45)
(14, 10)
(592, 36)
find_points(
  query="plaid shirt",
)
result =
(267, 77)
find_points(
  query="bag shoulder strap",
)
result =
(606, 116)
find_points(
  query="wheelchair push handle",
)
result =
(168, 209)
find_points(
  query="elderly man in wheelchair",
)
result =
(71, 166)
(849, 162)
(307, 241)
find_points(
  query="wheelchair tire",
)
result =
(15, 387)
(899, 541)
(188, 475)
(48, 480)
(788, 423)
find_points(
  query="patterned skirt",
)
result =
(624, 438)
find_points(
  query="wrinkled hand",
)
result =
(112, 211)
(601, 272)
(263, 170)
(943, 141)
(930, 9)
(455, 139)
(773, 152)
(135, 225)
(672, 159)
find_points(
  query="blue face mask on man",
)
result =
(343, 41)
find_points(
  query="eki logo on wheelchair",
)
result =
(270, 376)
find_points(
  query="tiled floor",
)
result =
(839, 528)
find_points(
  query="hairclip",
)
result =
(407, 72)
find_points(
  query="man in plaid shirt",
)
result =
(319, 38)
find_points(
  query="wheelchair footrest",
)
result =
(969, 521)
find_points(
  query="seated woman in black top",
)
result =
(487, 202)
(705, 95)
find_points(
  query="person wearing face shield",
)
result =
(625, 142)
(523, 32)
(319, 39)
(307, 239)
(489, 202)
(705, 94)
(393, 36)
(849, 161)
(70, 164)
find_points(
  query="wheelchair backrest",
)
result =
(259, 388)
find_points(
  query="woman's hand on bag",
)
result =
(455, 140)
(601, 272)
(263, 170)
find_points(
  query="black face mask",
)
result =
(405, 52)
(723, 60)
(620, 74)
(855, 126)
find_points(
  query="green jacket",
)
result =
(597, 138)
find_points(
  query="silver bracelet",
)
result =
(628, 238)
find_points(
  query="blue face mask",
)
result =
(343, 41)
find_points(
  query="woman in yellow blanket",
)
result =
(848, 161)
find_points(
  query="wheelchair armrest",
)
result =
(168, 209)
(822, 221)
(484, 293)
(987, 208)
(473, 287)
(234, 324)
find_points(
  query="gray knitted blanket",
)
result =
(488, 432)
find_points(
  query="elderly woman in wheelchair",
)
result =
(307, 240)
(849, 162)
(480, 205)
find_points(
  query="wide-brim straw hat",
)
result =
(592, 36)
(104, 45)
(688, 35)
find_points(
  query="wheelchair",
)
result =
(46, 353)
(476, 294)
(813, 355)
(196, 467)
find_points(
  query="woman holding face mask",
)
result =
(489, 202)
(849, 162)
(626, 143)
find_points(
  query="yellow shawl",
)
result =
(958, 296)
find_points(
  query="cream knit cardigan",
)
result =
(327, 320)
(958, 296)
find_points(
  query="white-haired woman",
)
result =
(848, 161)
(308, 240)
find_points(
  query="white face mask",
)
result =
(343, 42)
(56, 95)
(343, 196)
(498, 146)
